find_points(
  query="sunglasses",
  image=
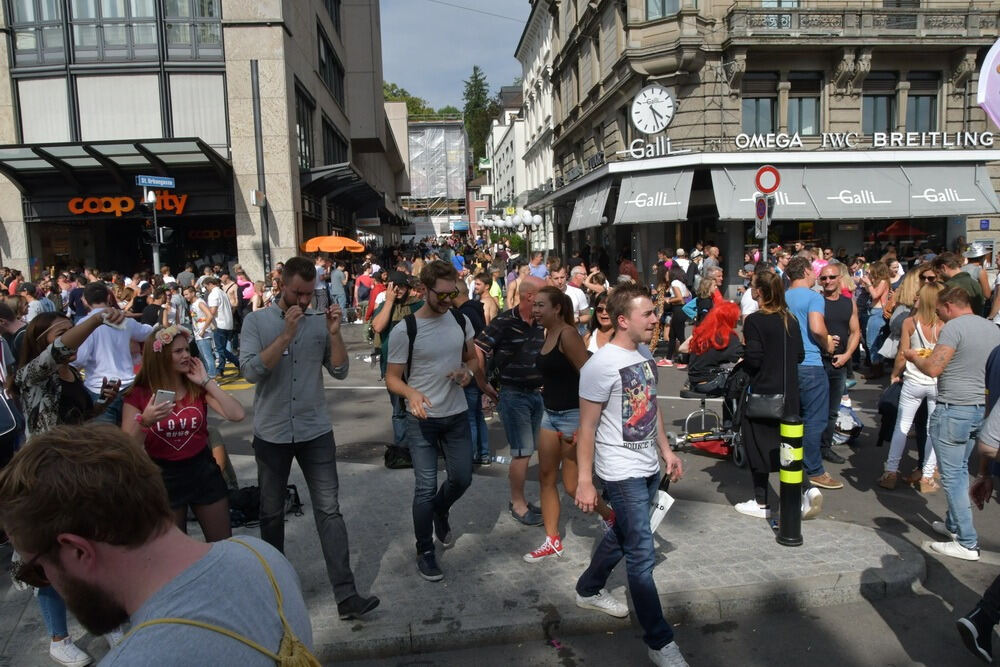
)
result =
(444, 295)
(931, 278)
(600, 309)
(30, 572)
(825, 278)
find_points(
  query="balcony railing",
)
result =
(749, 18)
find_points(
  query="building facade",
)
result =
(232, 99)
(504, 166)
(868, 112)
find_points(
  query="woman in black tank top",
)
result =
(560, 360)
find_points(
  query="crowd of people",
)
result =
(567, 352)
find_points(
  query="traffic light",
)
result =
(166, 234)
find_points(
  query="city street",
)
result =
(832, 625)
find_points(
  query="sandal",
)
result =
(888, 480)
(928, 485)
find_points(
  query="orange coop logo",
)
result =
(116, 205)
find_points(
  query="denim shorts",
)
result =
(521, 414)
(561, 421)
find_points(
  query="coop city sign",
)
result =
(119, 206)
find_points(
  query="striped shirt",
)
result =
(514, 345)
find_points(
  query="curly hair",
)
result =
(717, 329)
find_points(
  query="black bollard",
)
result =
(790, 474)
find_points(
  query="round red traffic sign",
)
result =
(767, 179)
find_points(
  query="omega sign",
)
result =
(165, 201)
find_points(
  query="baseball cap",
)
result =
(680, 252)
(399, 278)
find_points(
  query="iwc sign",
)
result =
(652, 110)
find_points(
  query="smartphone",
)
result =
(163, 396)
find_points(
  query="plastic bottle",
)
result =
(497, 458)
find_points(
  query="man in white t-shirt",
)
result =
(224, 332)
(581, 308)
(431, 375)
(621, 438)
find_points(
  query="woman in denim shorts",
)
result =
(560, 360)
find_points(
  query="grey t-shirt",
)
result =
(227, 588)
(337, 282)
(437, 350)
(963, 381)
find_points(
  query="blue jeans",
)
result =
(53, 611)
(207, 354)
(632, 539)
(318, 460)
(872, 339)
(521, 414)
(222, 338)
(953, 432)
(477, 422)
(399, 414)
(339, 299)
(814, 397)
(113, 413)
(425, 436)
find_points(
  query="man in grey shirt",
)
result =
(959, 364)
(283, 349)
(338, 285)
(140, 567)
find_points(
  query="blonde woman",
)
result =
(876, 283)
(920, 332)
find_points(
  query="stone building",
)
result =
(867, 109)
(230, 98)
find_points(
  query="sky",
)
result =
(430, 46)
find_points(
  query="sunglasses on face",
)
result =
(30, 572)
(931, 278)
(600, 309)
(825, 278)
(444, 295)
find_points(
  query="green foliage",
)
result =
(415, 106)
(517, 243)
(449, 110)
(480, 109)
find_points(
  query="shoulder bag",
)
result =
(771, 406)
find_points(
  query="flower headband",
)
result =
(166, 336)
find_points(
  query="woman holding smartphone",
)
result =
(167, 408)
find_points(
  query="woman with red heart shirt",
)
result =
(175, 433)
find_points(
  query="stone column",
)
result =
(783, 88)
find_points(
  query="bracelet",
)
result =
(205, 383)
(138, 420)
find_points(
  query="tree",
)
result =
(449, 110)
(480, 109)
(415, 106)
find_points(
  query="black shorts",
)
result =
(193, 481)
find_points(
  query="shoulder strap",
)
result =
(411, 334)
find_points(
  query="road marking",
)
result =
(681, 398)
(382, 386)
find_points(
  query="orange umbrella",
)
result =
(332, 244)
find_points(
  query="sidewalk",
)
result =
(714, 563)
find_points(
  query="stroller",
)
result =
(704, 429)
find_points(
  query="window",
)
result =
(657, 9)
(37, 32)
(760, 93)
(878, 107)
(194, 29)
(304, 108)
(334, 144)
(921, 102)
(803, 102)
(330, 69)
(333, 9)
(114, 30)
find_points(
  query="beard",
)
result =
(97, 611)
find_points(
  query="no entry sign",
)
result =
(767, 179)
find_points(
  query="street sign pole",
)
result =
(156, 231)
(766, 180)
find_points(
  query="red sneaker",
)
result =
(552, 546)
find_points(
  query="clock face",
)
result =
(652, 109)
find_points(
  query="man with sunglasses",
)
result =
(841, 317)
(430, 370)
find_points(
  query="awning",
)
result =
(661, 197)
(734, 191)
(340, 182)
(855, 192)
(589, 207)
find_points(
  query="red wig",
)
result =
(717, 329)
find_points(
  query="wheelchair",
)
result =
(706, 429)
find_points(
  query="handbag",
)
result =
(771, 406)
(11, 418)
(691, 308)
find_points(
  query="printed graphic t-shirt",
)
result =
(625, 382)
(181, 434)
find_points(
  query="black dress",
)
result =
(763, 335)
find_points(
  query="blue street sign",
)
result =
(155, 182)
(984, 225)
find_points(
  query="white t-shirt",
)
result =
(199, 318)
(682, 262)
(625, 382)
(748, 304)
(685, 292)
(579, 299)
(989, 434)
(106, 353)
(224, 313)
(437, 351)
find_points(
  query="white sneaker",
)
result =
(751, 508)
(955, 550)
(603, 601)
(668, 656)
(940, 528)
(114, 638)
(65, 652)
(812, 503)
